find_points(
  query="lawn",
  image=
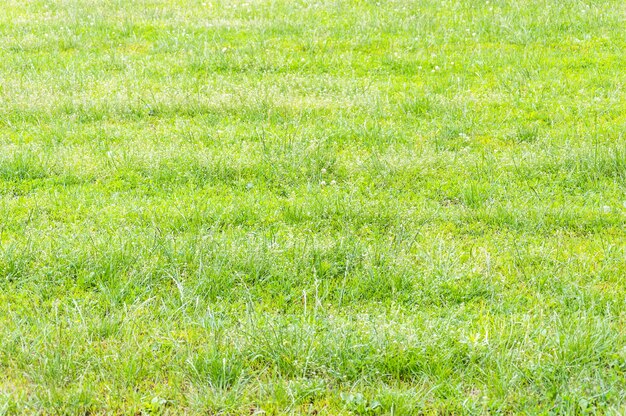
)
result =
(312, 207)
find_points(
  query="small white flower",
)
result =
(323, 171)
(606, 209)
(333, 182)
(323, 183)
(224, 49)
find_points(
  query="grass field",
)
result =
(312, 207)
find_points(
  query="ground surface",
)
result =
(331, 207)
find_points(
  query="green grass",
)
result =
(312, 207)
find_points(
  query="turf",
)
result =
(312, 207)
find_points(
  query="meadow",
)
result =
(332, 207)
